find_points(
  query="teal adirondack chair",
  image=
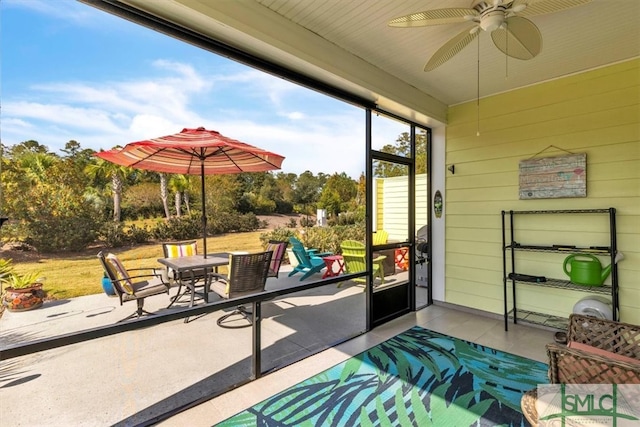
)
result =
(354, 254)
(308, 260)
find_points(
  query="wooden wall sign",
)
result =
(554, 177)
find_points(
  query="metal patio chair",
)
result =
(279, 250)
(132, 287)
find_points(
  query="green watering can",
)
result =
(586, 270)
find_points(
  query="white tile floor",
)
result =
(521, 340)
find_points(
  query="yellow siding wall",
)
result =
(597, 113)
(392, 205)
(395, 206)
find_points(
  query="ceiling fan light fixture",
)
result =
(492, 20)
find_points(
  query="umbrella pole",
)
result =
(204, 209)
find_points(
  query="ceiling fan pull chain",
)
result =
(506, 54)
(478, 92)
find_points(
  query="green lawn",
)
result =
(74, 275)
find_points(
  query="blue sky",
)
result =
(70, 71)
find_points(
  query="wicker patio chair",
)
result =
(247, 275)
(598, 351)
(613, 355)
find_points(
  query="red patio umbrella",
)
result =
(194, 152)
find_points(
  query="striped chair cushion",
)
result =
(179, 250)
(121, 273)
(278, 249)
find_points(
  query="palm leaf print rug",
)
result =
(417, 378)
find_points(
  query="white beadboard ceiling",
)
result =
(358, 43)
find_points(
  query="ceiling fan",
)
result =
(512, 33)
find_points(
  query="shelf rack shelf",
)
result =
(512, 246)
(565, 284)
(541, 319)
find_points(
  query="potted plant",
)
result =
(24, 291)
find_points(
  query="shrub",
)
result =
(142, 201)
(184, 227)
(284, 207)
(307, 221)
(112, 234)
(135, 235)
(59, 232)
(292, 223)
(328, 239)
(347, 218)
(280, 234)
(225, 222)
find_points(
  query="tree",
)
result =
(35, 165)
(179, 185)
(78, 157)
(306, 190)
(117, 174)
(330, 200)
(362, 190)
(49, 199)
(222, 193)
(402, 148)
(337, 193)
(164, 194)
(285, 183)
(30, 146)
(58, 216)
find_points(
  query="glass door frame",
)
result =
(402, 297)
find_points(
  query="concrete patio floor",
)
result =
(132, 377)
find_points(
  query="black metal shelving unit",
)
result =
(510, 247)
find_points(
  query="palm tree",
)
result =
(179, 184)
(117, 175)
(164, 194)
(35, 165)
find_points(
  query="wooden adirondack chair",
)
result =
(355, 260)
(309, 261)
(380, 237)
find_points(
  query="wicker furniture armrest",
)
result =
(617, 337)
(573, 366)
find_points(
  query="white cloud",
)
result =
(71, 11)
(103, 114)
(295, 115)
(60, 114)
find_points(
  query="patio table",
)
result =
(185, 266)
(402, 258)
(331, 261)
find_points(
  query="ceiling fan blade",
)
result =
(451, 48)
(520, 39)
(540, 7)
(433, 17)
